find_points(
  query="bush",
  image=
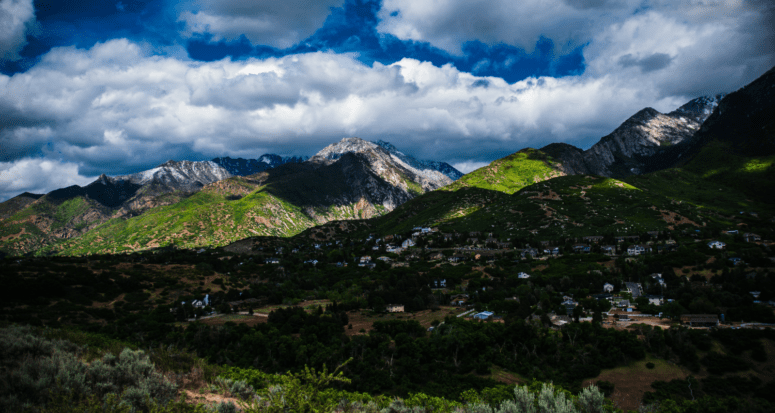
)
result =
(650, 365)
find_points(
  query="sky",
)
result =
(100, 86)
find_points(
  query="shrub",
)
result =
(650, 365)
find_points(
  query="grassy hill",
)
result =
(512, 173)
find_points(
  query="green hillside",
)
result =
(212, 217)
(752, 175)
(512, 173)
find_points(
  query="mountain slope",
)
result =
(388, 166)
(245, 167)
(69, 212)
(511, 173)
(281, 201)
(631, 148)
(442, 167)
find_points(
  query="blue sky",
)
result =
(90, 87)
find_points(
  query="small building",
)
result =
(484, 315)
(716, 245)
(407, 243)
(608, 249)
(751, 237)
(700, 320)
(523, 275)
(395, 308)
(608, 287)
(634, 288)
(637, 249)
(656, 299)
(593, 238)
(736, 261)
(272, 261)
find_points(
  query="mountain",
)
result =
(512, 173)
(245, 167)
(442, 167)
(388, 165)
(67, 213)
(631, 148)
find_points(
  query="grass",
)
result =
(510, 174)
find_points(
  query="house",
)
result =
(532, 251)
(608, 249)
(364, 261)
(637, 249)
(751, 237)
(604, 296)
(313, 262)
(716, 245)
(579, 247)
(732, 231)
(395, 308)
(407, 243)
(457, 258)
(736, 261)
(523, 275)
(666, 248)
(756, 294)
(384, 259)
(447, 237)
(593, 238)
(341, 264)
(555, 251)
(608, 287)
(436, 256)
(272, 261)
(569, 305)
(504, 245)
(484, 315)
(439, 284)
(634, 288)
(656, 299)
(700, 320)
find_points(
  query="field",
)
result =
(633, 381)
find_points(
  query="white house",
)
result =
(636, 250)
(523, 275)
(407, 243)
(717, 245)
(608, 287)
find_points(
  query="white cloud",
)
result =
(276, 23)
(38, 176)
(469, 166)
(16, 17)
(115, 108)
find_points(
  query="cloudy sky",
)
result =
(101, 86)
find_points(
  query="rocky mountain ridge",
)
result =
(389, 166)
(629, 148)
(245, 167)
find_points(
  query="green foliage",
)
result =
(511, 173)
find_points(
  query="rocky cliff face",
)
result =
(390, 167)
(424, 166)
(245, 167)
(629, 149)
(185, 176)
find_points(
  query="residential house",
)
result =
(637, 249)
(751, 237)
(385, 259)
(593, 238)
(364, 261)
(608, 287)
(272, 261)
(634, 288)
(407, 243)
(736, 261)
(656, 299)
(716, 245)
(395, 308)
(756, 294)
(436, 256)
(439, 283)
(523, 275)
(608, 249)
(483, 316)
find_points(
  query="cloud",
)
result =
(469, 166)
(651, 63)
(16, 17)
(38, 176)
(275, 23)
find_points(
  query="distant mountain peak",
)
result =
(245, 167)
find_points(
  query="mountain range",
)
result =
(651, 159)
